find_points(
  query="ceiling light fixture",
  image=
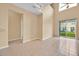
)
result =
(39, 6)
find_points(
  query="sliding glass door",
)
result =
(67, 28)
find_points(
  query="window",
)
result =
(67, 28)
(72, 29)
(64, 6)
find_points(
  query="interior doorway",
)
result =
(15, 27)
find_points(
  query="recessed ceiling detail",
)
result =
(32, 7)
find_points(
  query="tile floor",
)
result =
(47, 47)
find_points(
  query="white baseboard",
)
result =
(4, 47)
(29, 40)
(47, 38)
(14, 39)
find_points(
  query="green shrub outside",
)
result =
(68, 34)
(62, 33)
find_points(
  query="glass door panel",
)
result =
(67, 32)
(67, 28)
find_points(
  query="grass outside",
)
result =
(68, 34)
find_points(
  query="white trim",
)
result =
(14, 39)
(47, 38)
(4, 47)
(25, 41)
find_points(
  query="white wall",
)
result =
(47, 22)
(3, 26)
(14, 25)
